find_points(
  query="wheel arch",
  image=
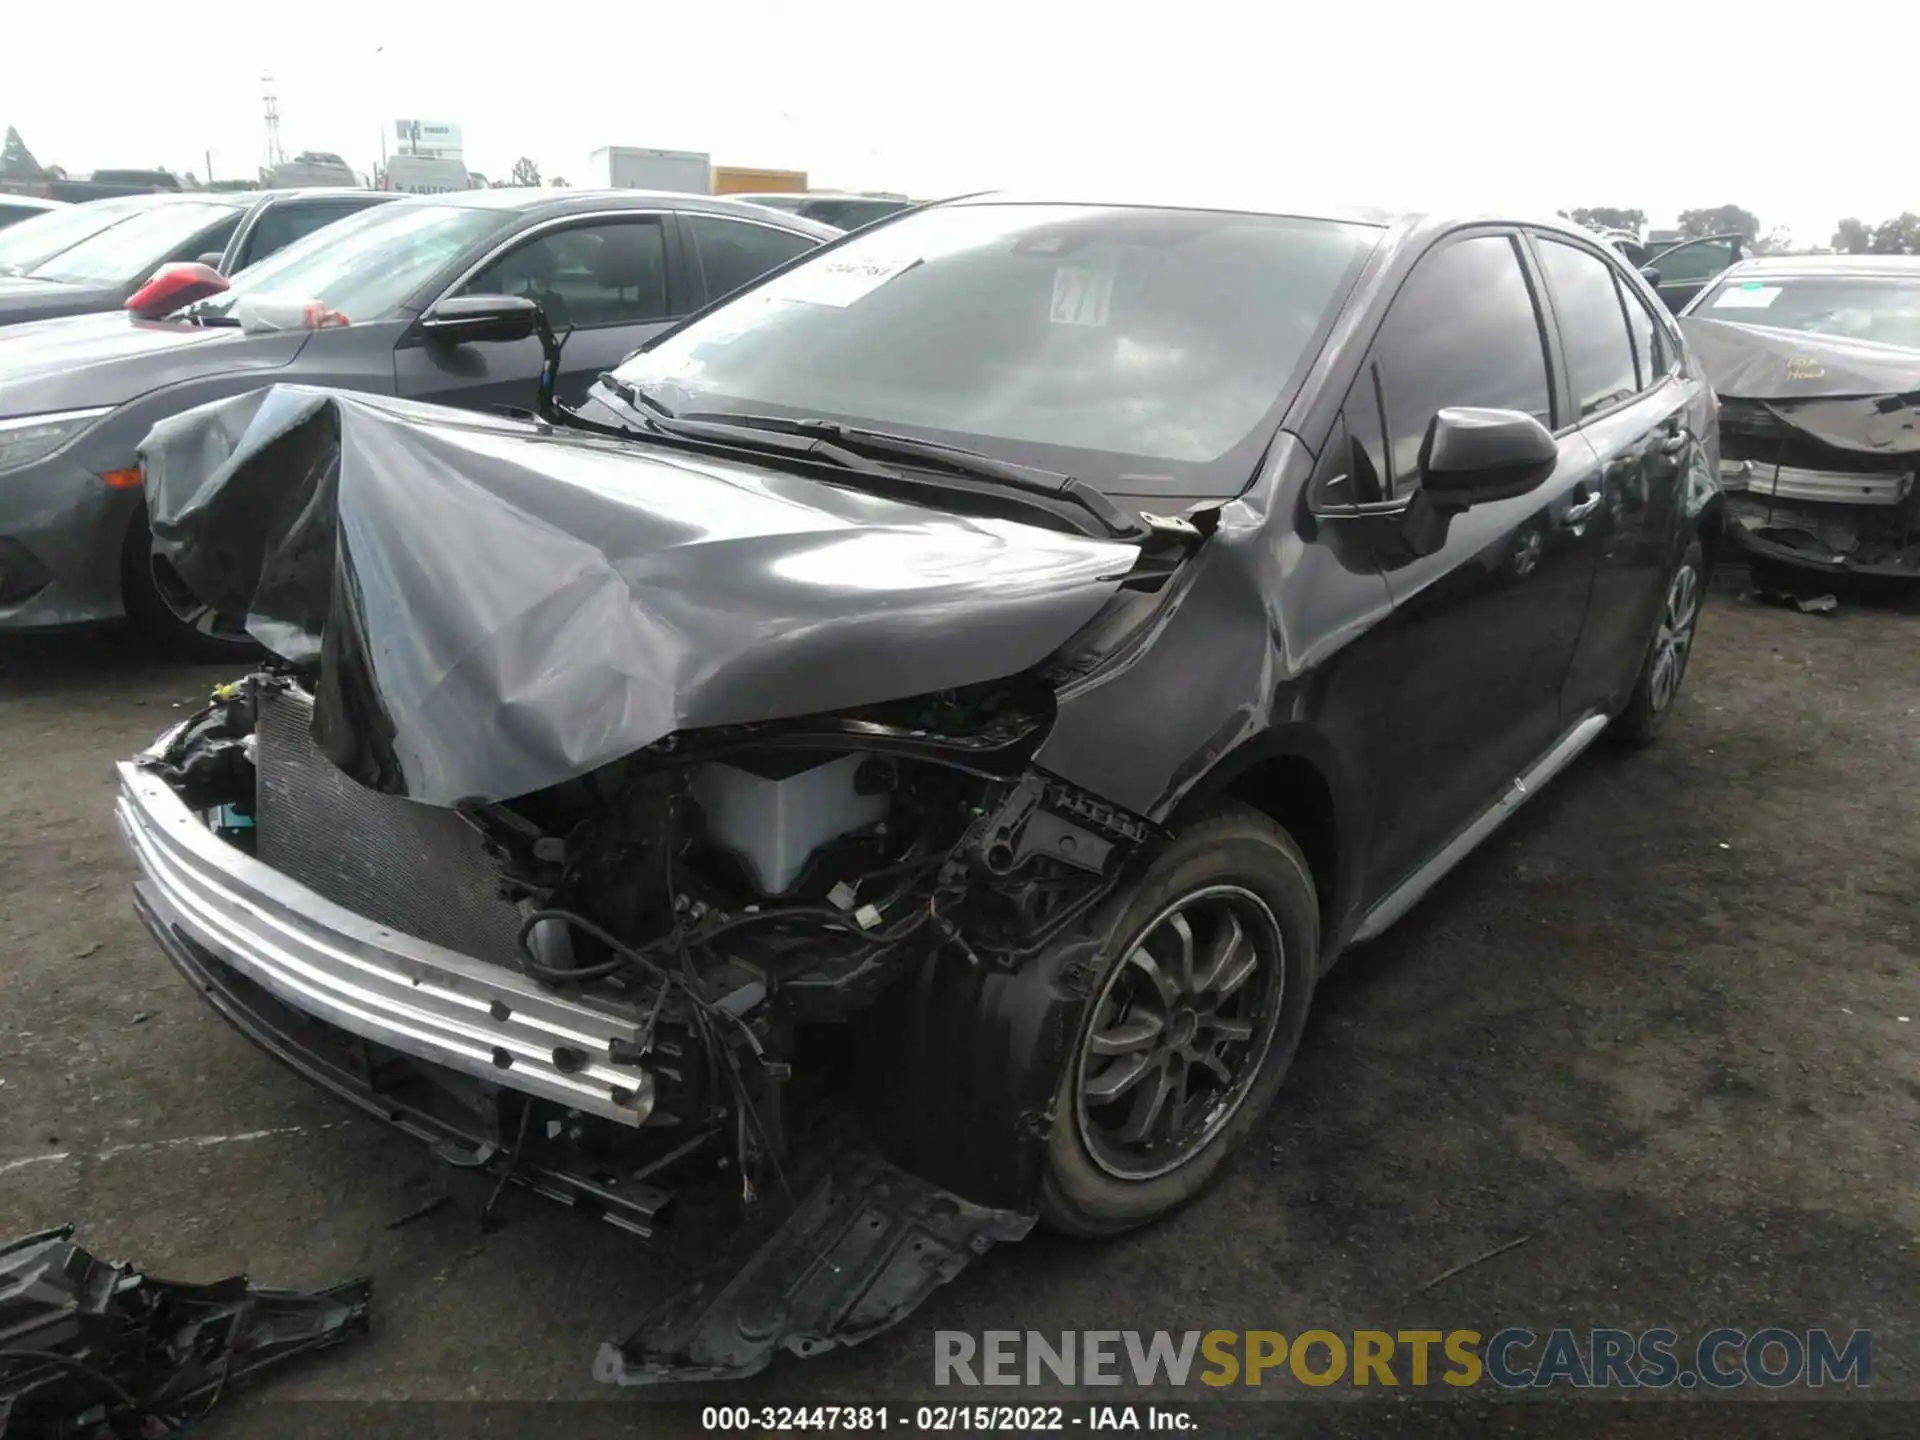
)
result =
(1294, 778)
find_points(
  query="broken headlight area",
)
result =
(657, 974)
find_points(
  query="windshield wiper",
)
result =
(857, 448)
(663, 421)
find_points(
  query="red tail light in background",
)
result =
(174, 286)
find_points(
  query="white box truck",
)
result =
(628, 167)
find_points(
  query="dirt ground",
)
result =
(1664, 1025)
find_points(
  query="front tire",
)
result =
(163, 610)
(1666, 664)
(1196, 1009)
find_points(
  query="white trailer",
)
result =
(628, 167)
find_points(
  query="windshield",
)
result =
(1144, 351)
(26, 244)
(1882, 309)
(367, 265)
(124, 253)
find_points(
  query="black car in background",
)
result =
(277, 218)
(15, 208)
(358, 304)
(1680, 271)
(102, 270)
(913, 743)
(843, 212)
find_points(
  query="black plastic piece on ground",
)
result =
(91, 1348)
(866, 1245)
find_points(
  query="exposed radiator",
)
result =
(417, 868)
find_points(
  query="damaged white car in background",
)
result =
(1816, 360)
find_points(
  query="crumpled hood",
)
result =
(1851, 394)
(496, 607)
(88, 360)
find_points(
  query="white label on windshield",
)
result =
(1746, 297)
(1082, 295)
(840, 279)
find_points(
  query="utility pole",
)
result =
(273, 122)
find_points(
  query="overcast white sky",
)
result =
(1797, 113)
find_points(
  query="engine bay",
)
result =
(742, 892)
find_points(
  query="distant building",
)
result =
(430, 139)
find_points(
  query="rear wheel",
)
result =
(1197, 1007)
(1666, 663)
(160, 607)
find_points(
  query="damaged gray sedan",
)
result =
(1816, 360)
(895, 762)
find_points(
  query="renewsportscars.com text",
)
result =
(1772, 1357)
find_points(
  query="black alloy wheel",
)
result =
(1193, 1011)
(1179, 1032)
(1665, 666)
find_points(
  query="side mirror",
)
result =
(1472, 456)
(463, 319)
(1649, 274)
(173, 287)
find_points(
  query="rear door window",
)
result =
(1593, 327)
(734, 253)
(1464, 330)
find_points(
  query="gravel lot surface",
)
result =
(1664, 1025)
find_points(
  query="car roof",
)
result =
(31, 202)
(1404, 223)
(800, 195)
(1858, 265)
(233, 199)
(530, 201)
(303, 192)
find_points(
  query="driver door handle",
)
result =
(1581, 509)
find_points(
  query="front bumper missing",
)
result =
(1831, 487)
(1832, 540)
(404, 994)
(401, 1028)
